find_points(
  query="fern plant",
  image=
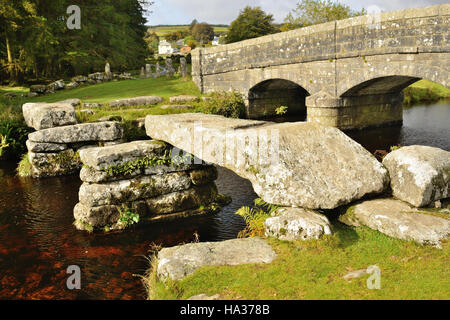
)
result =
(255, 217)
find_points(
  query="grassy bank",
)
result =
(424, 91)
(315, 270)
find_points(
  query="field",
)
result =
(314, 269)
(163, 30)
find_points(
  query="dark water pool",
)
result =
(38, 241)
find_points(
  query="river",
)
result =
(38, 241)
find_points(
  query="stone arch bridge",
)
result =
(348, 74)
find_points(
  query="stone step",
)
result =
(157, 207)
(102, 158)
(178, 262)
(85, 132)
(48, 115)
(289, 164)
(399, 220)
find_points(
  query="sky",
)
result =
(225, 11)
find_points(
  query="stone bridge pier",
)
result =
(349, 74)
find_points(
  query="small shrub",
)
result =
(128, 217)
(281, 110)
(255, 217)
(13, 135)
(24, 167)
(227, 104)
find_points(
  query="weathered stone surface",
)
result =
(91, 175)
(72, 85)
(57, 85)
(54, 164)
(73, 102)
(79, 79)
(289, 164)
(178, 262)
(137, 101)
(176, 106)
(175, 204)
(184, 99)
(104, 157)
(45, 147)
(38, 88)
(297, 224)
(179, 201)
(98, 131)
(420, 175)
(96, 216)
(398, 219)
(123, 191)
(48, 115)
(92, 105)
(203, 175)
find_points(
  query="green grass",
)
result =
(425, 91)
(108, 91)
(314, 270)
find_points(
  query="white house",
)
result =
(215, 41)
(165, 47)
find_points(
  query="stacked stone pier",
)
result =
(141, 180)
(53, 150)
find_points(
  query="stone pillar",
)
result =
(183, 67)
(355, 112)
(170, 71)
(157, 70)
(142, 74)
(108, 73)
(148, 70)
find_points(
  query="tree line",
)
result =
(35, 42)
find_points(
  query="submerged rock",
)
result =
(289, 164)
(297, 224)
(399, 220)
(48, 115)
(98, 131)
(178, 262)
(420, 175)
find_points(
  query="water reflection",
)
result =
(424, 125)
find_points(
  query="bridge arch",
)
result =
(266, 96)
(380, 79)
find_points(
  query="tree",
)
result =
(193, 23)
(310, 12)
(203, 32)
(251, 23)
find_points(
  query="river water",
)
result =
(38, 241)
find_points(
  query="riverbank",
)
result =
(315, 270)
(425, 91)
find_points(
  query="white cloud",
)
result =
(225, 11)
